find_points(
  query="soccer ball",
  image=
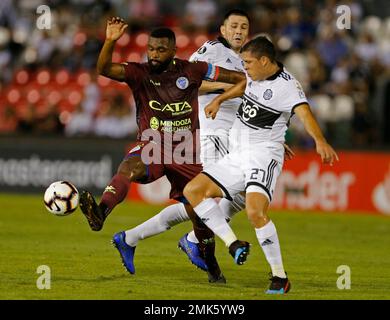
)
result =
(61, 198)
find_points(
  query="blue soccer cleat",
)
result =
(239, 250)
(192, 251)
(279, 285)
(126, 251)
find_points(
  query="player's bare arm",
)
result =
(234, 92)
(114, 30)
(288, 153)
(208, 86)
(230, 76)
(327, 153)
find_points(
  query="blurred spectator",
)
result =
(91, 95)
(5, 54)
(298, 31)
(49, 122)
(296, 62)
(116, 120)
(362, 126)
(200, 13)
(8, 119)
(28, 120)
(80, 123)
(8, 15)
(143, 14)
(331, 47)
(44, 43)
(316, 72)
(366, 48)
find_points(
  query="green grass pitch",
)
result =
(84, 265)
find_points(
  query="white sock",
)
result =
(269, 242)
(212, 216)
(192, 237)
(229, 209)
(167, 218)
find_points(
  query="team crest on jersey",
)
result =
(182, 83)
(202, 50)
(267, 94)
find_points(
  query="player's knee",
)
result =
(132, 169)
(189, 190)
(256, 216)
(193, 191)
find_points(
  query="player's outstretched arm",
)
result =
(208, 86)
(234, 92)
(115, 29)
(230, 76)
(327, 153)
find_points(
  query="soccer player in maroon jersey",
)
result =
(165, 90)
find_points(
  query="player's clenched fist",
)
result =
(115, 28)
(211, 109)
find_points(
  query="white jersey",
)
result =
(218, 53)
(256, 152)
(266, 109)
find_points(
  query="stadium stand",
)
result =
(48, 72)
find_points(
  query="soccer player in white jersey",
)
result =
(223, 52)
(214, 134)
(271, 95)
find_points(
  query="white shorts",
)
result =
(213, 148)
(254, 170)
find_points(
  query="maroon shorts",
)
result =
(177, 174)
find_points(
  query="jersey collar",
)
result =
(277, 73)
(224, 42)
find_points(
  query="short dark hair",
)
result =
(260, 46)
(235, 12)
(164, 33)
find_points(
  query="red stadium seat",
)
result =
(75, 97)
(123, 41)
(43, 77)
(21, 107)
(65, 105)
(14, 95)
(62, 77)
(41, 107)
(117, 57)
(134, 57)
(83, 78)
(182, 41)
(200, 39)
(54, 97)
(141, 40)
(33, 96)
(134, 54)
(21, 77)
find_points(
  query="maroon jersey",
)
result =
(168, 101)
